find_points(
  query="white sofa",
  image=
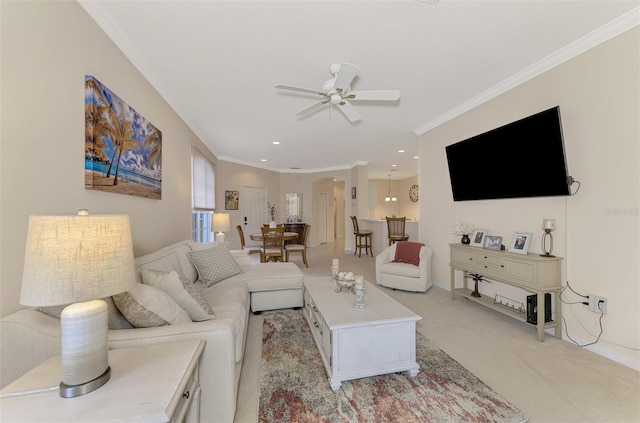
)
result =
(30, 336)
(407, 277)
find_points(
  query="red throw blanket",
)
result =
(408, 252)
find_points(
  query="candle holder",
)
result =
(359, 303)
(548, 225)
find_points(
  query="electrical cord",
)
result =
(31, 392)
(580, 302)
(590, 343)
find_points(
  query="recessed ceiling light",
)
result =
(263, 160)
(275, 142)
(400, 151)
(416, 157)
(394, 165)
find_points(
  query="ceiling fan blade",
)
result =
(349, 111)
(299, 89)
(345, 75)
(312, 108)
(388, 95)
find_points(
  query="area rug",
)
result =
(294, 387)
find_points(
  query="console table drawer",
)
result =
(463, 258)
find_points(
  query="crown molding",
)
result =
(594, 38)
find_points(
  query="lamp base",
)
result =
(220, 237)
(71, 391)
(84, 348)
(547, 255)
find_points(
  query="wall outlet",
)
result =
(597, 304)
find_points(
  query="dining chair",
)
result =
(299, 248)
(253, 249)
(362, 238)
(395, 229)
(273, 243)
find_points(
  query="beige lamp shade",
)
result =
(76, 258)
(220, 222)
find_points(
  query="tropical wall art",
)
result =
(122, 150)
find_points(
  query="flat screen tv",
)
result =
(524, 158)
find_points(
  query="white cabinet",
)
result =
(531, 272)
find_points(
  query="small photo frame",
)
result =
(353, 193)
(520, 242)
(477, 238)
(492, 242)
(231, 200)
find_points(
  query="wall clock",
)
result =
(413, 193)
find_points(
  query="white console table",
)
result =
(530, 272)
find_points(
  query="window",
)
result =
(203, 196)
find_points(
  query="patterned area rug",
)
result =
(294, 386)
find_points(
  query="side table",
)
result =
(154, 383)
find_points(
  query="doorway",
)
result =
(254, 209)
(323, 202)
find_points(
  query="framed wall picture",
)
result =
(353, 193)
(231, 200)
(477, 239)
(492, 242)
(520, 242)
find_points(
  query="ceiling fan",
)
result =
(337, 91)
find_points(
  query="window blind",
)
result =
(202, 181)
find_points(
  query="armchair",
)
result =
(404, 276)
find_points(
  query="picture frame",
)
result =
(353, 193)
(231, 199)
(520, 242)
(492, 242)
(477, 238)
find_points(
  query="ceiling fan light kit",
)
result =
(337, 91)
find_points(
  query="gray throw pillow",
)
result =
(181, 290)
(145, 306)
(214, 264)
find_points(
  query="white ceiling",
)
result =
(217, 63)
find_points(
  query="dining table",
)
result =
(287, 236)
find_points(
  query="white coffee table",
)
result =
(356, 343)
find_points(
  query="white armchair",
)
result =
(407, 277)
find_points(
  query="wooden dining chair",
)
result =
(362, 238)
(299, 248)
(273, 243)
(395, 228)
(253, 249)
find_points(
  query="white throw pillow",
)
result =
(181, 290)
(145, 306)
(214, 264)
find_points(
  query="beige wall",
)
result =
(47, 48)
(399, 188)
(597, 229)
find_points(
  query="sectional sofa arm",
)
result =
(217, 368)
(27, 338)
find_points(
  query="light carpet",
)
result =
(294, 385)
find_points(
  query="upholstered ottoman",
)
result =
(272, 285)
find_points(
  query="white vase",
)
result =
(272, 224)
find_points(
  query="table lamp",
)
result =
(78, 260)
(220, 222)
(548, 225)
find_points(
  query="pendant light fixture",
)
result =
(389, 197)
